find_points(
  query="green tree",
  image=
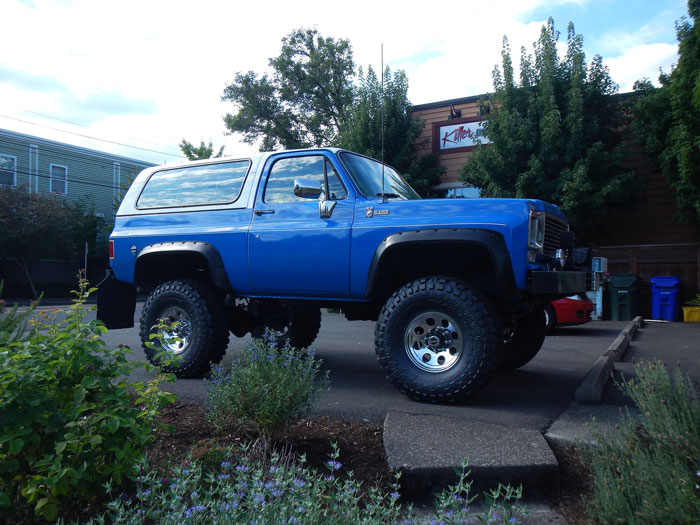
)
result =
(32, 227)
(203, 151)
(37, 226)
(555, 134)
(302, 102)
(372, 110)
(86, 227)
(425, 173)
(387, 107)
(667, 119)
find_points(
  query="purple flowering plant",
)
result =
(267, 388)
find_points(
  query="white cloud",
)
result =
(639, 62)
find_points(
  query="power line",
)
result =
(90, 137)
(85, 162)
(88, 127)
(66, 155)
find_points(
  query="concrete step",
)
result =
(427, 449)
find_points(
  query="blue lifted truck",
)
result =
(457, 286)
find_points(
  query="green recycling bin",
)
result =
(622, 288)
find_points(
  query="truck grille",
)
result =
(553, 227)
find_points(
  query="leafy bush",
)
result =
(68, 418)
(651, 473)
(267, 387)
(695, 301)
(13, 323)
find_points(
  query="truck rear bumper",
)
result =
(558, 283)
(116, 303)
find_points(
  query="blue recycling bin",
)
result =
(664, 298)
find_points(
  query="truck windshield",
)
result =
(367, 175)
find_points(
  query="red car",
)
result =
(568, 311)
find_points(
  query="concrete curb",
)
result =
(592, 388)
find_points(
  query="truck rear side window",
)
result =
(200, 185)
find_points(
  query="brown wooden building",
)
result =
(648, 241)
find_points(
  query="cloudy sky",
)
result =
(140, 75)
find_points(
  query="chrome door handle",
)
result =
(261, 212)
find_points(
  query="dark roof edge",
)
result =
(443, 103)
(78, 149)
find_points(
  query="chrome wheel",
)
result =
(177, 339)
(433, 342)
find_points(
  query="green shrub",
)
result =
(69, 420)
(651, 472)
(14, 323)
(695, 301)
(267, 387)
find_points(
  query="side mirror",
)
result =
(307, 188)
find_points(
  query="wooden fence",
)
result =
(646, 261)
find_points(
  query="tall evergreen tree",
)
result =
(555, 134)
(390, 109)
(667, 119)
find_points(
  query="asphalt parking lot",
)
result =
(532, 397)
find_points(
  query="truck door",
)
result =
(299, 244)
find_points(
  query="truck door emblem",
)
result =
(370, 212)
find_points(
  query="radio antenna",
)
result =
(384, 199)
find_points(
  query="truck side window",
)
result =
(280, 182)
(199, 185)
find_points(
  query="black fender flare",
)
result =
(208, 252)
(490, 240)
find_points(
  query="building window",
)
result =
(59, 179)
(8, 170)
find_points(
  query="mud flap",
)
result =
(116, 303)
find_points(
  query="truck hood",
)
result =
(465, 211)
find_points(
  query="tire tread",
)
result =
(484, 327)
(208, 306)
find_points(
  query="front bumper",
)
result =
(557, 283)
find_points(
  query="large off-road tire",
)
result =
(550, 319)
(526, 340)
(438, 340)
(201, 335)
(299, 327)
